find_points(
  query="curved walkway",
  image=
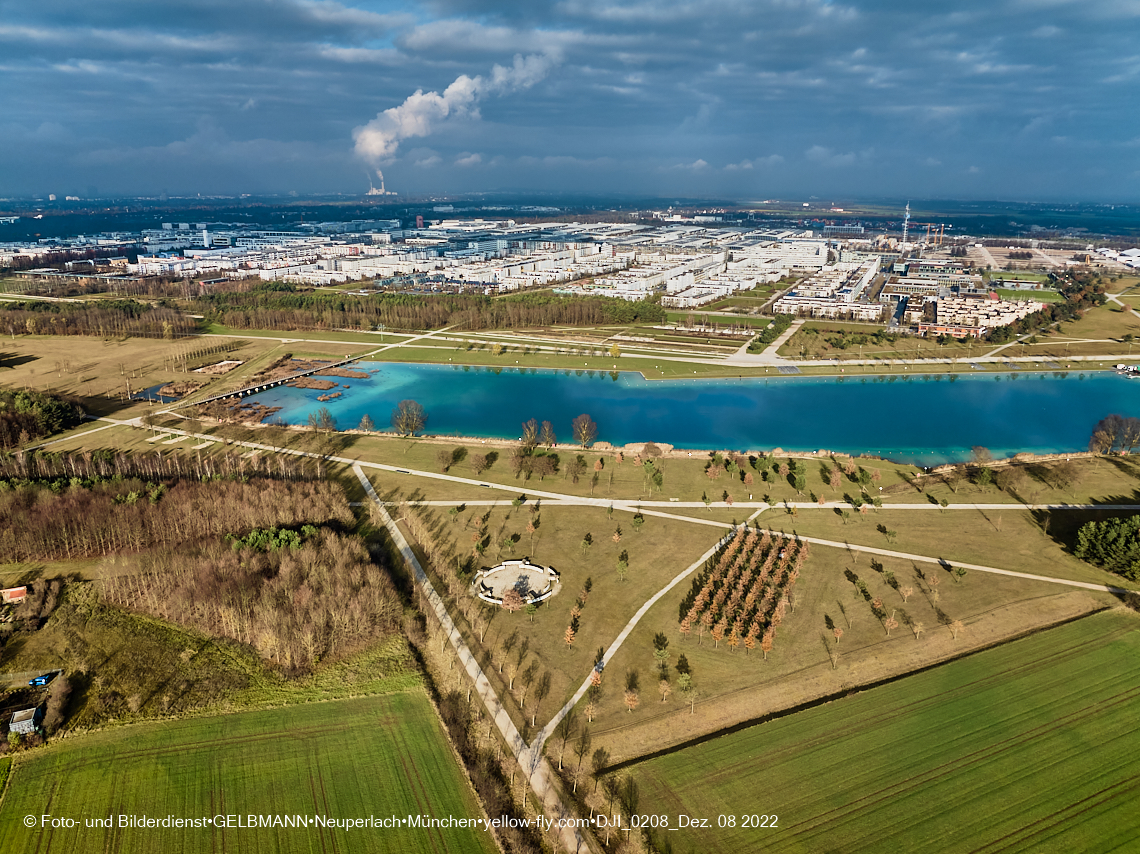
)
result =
(530, 757)
(535, 767)
(545, 732)
(629, 504)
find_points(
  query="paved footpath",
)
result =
(530, 757)
(943, 562)
(535, 766)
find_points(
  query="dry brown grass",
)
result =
(735, 687)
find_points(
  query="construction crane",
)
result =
(935, 232)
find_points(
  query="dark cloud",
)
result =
(1024, 98)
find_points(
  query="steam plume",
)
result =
(378, 140)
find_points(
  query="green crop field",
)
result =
(349, 759)
(1036, 296)
(1027, 747)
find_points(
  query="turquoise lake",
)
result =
(922, 419)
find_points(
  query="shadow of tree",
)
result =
(1062, 525)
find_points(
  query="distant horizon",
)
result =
(569, 198)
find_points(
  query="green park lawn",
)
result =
(1036, 296)
(1123, 285)
(1106, 321)
(374, 756)
(1026, 747)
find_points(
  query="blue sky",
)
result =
(751, 99)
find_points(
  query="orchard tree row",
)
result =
(743, 593)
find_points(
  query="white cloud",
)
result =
(826, 157)
(421, 111)
(429, 161)
(758, 162)
(466, 159)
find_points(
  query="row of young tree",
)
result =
(105, 318)
(286, 308)
(296, 606)
(743, 592)
(60, 469)
(131, 515)
(29, 415)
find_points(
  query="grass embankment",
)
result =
(1028, 747)
(1035, 296)
(375, 756)
(369, 339)
(1015, 276)
(704, 318)
(128, 667)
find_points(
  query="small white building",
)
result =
(26, 721)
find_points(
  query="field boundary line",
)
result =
(846, 692)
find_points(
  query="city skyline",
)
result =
(1029, 99)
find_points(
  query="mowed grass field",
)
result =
(374, 756)
(1030, 746)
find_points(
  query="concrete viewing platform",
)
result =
(534, 583)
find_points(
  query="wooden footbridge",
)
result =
(268, 384)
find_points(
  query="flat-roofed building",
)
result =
(972, 317)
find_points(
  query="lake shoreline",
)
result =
(924, 419)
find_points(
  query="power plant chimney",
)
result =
(373, 191)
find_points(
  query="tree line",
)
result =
(59, 470)
(105, 318)
(1115, 433)
(297, 606)
(286, 308)
(132, 515)
(28, 415)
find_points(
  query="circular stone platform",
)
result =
(533, 582)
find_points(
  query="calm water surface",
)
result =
(922, 419)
